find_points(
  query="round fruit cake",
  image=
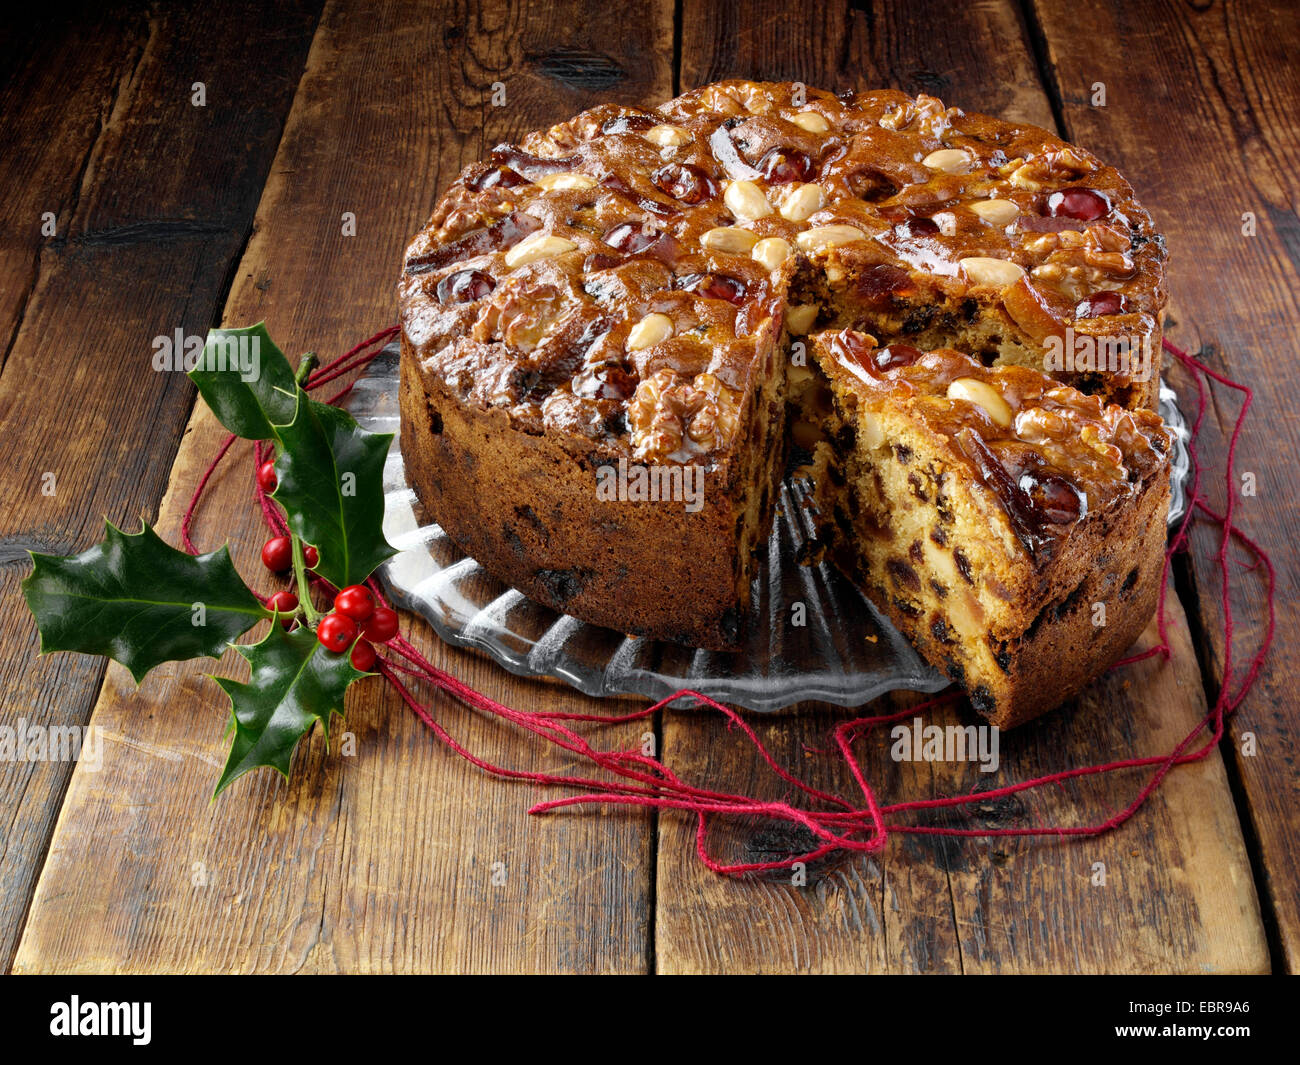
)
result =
(618, 335)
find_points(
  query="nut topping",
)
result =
(973, 390)
(695, 213)
(651, 330)
(926, 112)
(771, 252)
(667, 136)
(538, 246)
(823, 237)
(1050, 166)
(673, 417)
(1081, 262)
(746, 201)
(998, 273)
(566, 180)
(949, 160)
(811, 121)
(803, 201)
(996, 212)
(716, 412)
(730, 239)
(1038, 425)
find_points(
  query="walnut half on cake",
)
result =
(623, 292)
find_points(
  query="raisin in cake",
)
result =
(632, 289)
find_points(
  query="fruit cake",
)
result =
(633, 292)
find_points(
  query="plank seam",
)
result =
(679, 22)
(1041, 52)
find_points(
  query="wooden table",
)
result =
(168, 215)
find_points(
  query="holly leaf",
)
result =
(247, 381)
(330, 474)
(295, 682)
(139, 601)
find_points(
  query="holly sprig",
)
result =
(138, 600)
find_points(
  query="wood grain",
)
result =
(1179, 894)
(58, 90)
(153, 198)
(384, 860)
(1224, 140)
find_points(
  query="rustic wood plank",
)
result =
(1179, 894)
(57, 94)
(58, 90)
(1223, 141)
(383, 861)
(154, 198)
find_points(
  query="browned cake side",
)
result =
(527, 507)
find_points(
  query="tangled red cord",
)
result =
(837, 824)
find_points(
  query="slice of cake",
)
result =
(1011, 526)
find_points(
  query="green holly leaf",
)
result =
(247, 381)
(295, 682)
(330, 475)
(139, 601)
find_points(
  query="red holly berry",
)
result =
(277, 554)
(363, 657)
(356, 602)
(336, 632)
(285, 603)
(266, 476)
(381, 626)
(310, 555)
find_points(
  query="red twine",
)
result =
(836, 824)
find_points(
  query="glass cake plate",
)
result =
(846, 653)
